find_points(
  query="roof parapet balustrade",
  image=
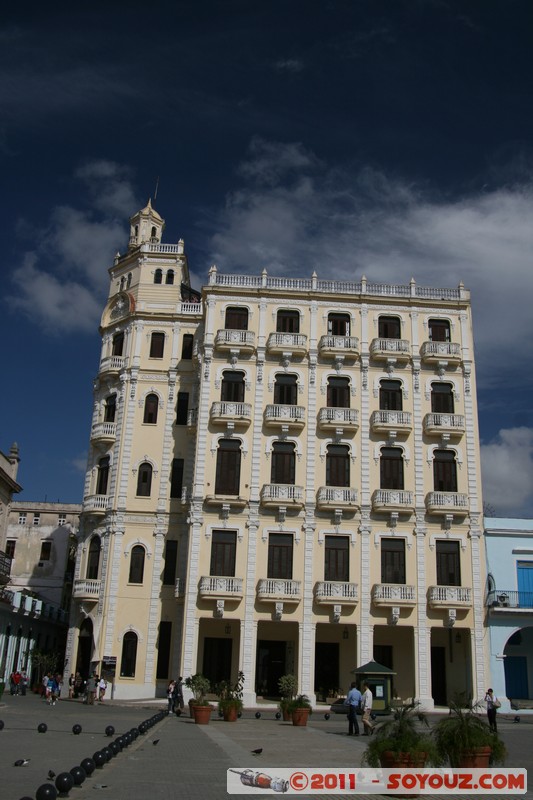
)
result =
(95, 504)
(383, 421)
(224, 411)
(333, 418)
(436, 352)
(332, 592)
(179, 589)
(329, 497)
(86, 589)
(277, 414)
(104, 432)
(112, 364)
(216, 586)
(279, 343)
(446, 596)
(282, 494)
(444, 424)
(384, 349)
(393, 594)
(447, 503)
(510, 600)
(393, 500)
(279, 589)
(334, 346)
(229, 339)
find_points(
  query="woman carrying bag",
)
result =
(493, 704)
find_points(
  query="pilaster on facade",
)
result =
(365, 643)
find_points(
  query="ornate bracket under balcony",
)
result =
(436, 352)
(224, 412)
(104, 432)
(336, 497)
(393, 594)
(216, 586)
(277, 415)
(454, 503)
(387, 500)
(279, 589)
(336, 592)
(274, 495)
(387, 349)
(86, 589)
(95, 504)
(383, 421)
(444, 424)
(394, 615)
(448, 596)
(338, 346)
(229, 339)
(280, 343)
(333, 419)
(451, 617)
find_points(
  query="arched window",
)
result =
(118, 344)
(391, 468)
(122, 283)
(110, 408)
(442, 401)
(390, 395)
(93, 558)
(444, 471)
(389, 328)
(228, 469)
(128, 284)
(232, 390)
(170, 277)
(337, 465)
(144, 480)
(102, 477)
(158, 276)
(137, 564)
(151, 405)
(283, 463)
(338, 393)
(285, 390)
(153, 233)
(129, 655)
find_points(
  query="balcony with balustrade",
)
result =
(239, 414)
(112, 364)
(504, 600)
(451, 425)
(449, 597)
(338, 346)
(384, 349)
(383, 421)
(393, 500)
(438, 352)
(455, 503)
(393, 594)
(220, 587)
(277, 415)
(95, 504)
(228, 339)
(331, 419)
(275, 495)
(336, 592)
(279, 589)
(104, 432)
(279, 343)
(331, 497)
(86, 589)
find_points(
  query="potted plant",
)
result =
(300, 708)
(230, 698)
(466, 740)
(288, 688)
(199, 705)
(403, 741)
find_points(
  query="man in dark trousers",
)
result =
(353, 700)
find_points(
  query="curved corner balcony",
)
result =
(329, 497)
(384, 349)
(383, 421)
(86, 589)
(222, 412)
(104, 432)
(393, 500)
(329, 419)
(444, 424)
(436, 352)
(279, 589)
(333, 592)
(447, 503)
(230, 339)
(219, 587)
(335, 346)
(112, 364)
(279, 343)
(393, 594)
(95, 504)
(274, 495)
(277, 415)
(449, 597)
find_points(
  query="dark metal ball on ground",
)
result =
(78, 775)
(99, 758)
(258, 715)
(42, 727)
(88, 766)
(115, 749)
(134, 732)
(118, 742)
(108, 753)
(47, 791)
(2, 724)
(326, 716)
(109, 731)
(64, 782)
(278, 715)
(239, 714)
(76, 730)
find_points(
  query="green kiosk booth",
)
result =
(379, 679)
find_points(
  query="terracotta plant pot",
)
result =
(230, 714)
(300, 715)
(477, 757)
(391, 760)
(202, 714)
(286, 715)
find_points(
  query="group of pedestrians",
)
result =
(18, 682)
(175, 696)
(51, 688)
(359, 702)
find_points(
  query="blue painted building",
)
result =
(509, 603)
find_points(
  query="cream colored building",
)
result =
(283, 477)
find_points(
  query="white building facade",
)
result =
(283, 478)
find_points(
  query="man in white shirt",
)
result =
(366, 704)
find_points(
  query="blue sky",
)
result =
(386, 138)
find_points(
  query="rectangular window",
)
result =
(442, 401)
(283, 468)
(448, 564)
(439, 330)
(337, 558)
(171, 555)
(186, 346)
(389, 328)
(46, 549)
(36, 519)
(444, 471)
(232, 390)
(338, 393)
(337, 466)
(391, 468)
(393, 561)
(288, 322)
(182, 408)
(118, 344)
(280, 556)
(237, 319)
(157, 345)
(390, 395)
(163, 649)
(176, 478)
(339, 324)
(228, 469)
(10, 548)
(22, 518)
(285, 390)
(62, 520)
(223, 553)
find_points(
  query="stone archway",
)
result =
(518, 665)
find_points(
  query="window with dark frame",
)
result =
(46, 551)
(10, 548)
(280, 547)
(110, 408)
(164, 639)
(338, 324)
(392, 560)
(151, 407)
(118, 344)
(389, 328)
(444, 471)
(223, 553)
(93, 559)
(144, 480)
(157, 344)
(182, 408)
(337, 558)
(448, 563)
(285, 390)
(102, 476)
(158, 276)
(187, 346)
(176, 478)
(129, 655)
(169, 278)
(171, 558)
(338, 393)
(283, 468)
(232, 388)
(439, 330)
(287, 321)
(391, 468)
(442, 399)
(236, 319)
(228, 468)
(337, 465)
(137, 564)
(390, 395)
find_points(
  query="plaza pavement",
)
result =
(189, 761)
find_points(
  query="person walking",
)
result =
(353, 700)
(24, 681)
(178, 696)
(102, 687)
(170, 696)
(91, 689)
(71, 682)
(493, 704)
(366, 705)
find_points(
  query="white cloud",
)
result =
(79, 462)
(507, 468)
(293, 65)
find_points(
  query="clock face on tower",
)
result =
(121, 306)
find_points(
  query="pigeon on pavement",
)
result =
(21, 762)
(258, 751)
(155, 741)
